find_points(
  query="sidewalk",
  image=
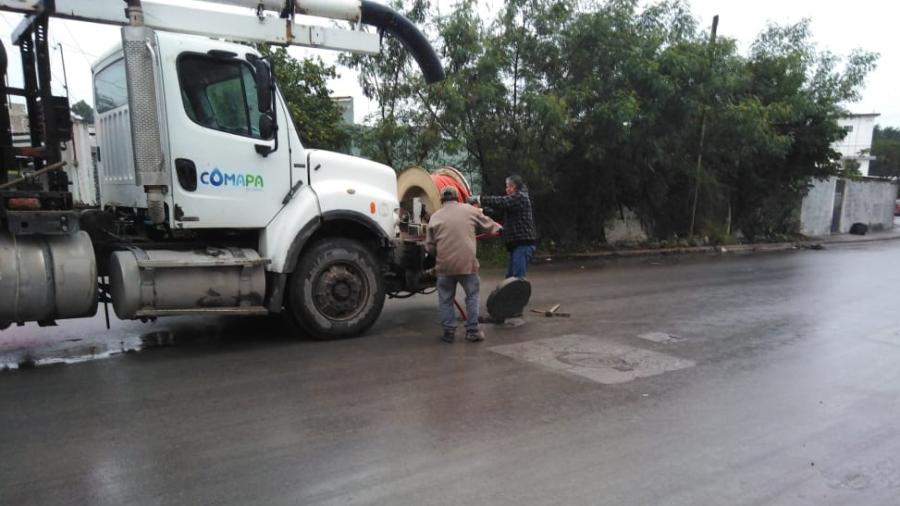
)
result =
(884, 235)
(810, 243)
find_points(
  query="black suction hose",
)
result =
(386, 19)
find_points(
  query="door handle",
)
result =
(187, 173)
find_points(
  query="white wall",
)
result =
(870, 201)
(625, 228)
(817, 210)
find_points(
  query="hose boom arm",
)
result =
(270, 21)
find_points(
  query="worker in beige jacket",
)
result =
(451, 237)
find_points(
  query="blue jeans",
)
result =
(446, 286)
(518, 261)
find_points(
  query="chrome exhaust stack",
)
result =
(138, 43)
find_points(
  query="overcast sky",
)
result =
(837, 26)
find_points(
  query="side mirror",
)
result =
(264, 84)
(266, 126)
(265, 96)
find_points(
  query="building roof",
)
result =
(861, 115)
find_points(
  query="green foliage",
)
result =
(304, 85)
(84, 110)
(886, 150)
(401, 134)
(599, 106)
(492, 254)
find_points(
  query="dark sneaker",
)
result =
(474, 336)
(448, 337)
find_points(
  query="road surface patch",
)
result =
(592, 358)
(661, 337)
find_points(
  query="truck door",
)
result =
(220, 178)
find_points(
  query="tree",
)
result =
(401, 133)
(84, 110)
(599, 106)
(802, 93)
(886, 150)
(304, 86)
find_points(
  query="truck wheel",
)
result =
(336, 290)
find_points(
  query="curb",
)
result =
(860, 241)
(735, 248)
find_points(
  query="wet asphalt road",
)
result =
(767, 379)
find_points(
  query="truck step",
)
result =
(224, 311)
(212, 262)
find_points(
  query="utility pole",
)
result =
(712, 45)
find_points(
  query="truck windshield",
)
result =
(219, 94)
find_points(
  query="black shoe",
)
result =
(448, 337)
(475, 337)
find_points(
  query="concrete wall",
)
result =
(870, 201)
(818, 208)
(626, 228)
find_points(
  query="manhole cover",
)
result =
(661, 337)
(593, 358)
(509, 298)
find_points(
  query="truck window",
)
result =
(110, 88)
(219, 94)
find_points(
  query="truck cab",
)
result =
(225, 170)
(208, 201)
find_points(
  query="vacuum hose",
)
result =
(368, 12)
(388, 20)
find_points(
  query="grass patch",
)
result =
(492, 254)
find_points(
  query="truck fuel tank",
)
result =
(146, 283)
(44, 278)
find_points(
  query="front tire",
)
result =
(336, 290)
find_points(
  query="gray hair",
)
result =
(449, 194)
(516, 180)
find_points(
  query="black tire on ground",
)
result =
(336, 289)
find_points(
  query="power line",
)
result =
(84, 53)
(73, 48)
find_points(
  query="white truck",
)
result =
(209, 203)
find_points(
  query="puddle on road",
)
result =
(32, 346)
(77, 350)
(592, 358)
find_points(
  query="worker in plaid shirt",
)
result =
(519, 234)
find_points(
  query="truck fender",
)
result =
(283, 243)
(296, 222)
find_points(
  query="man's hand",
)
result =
(474, 200)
